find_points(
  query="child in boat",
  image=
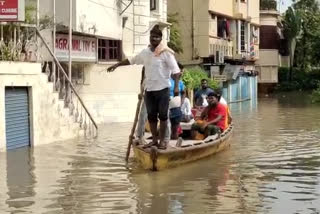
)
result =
(213, 118)
(185, 108)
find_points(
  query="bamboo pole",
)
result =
(136, 118)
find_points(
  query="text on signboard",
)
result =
(77, 45)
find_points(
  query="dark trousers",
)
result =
(157, 103)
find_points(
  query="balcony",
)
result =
(268, 5)
(240, 10)
(223, 46)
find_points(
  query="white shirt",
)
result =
(223, 101)
(186, 107)
(158, 69)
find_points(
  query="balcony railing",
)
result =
(22, 42)
(268, 5)
(224, 46)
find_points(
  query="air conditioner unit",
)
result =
(219, 58)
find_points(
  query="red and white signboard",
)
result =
(9, 10)
(83, 48)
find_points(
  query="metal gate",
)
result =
(17, 117)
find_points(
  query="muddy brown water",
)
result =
(272, 166)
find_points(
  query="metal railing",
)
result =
(20, 42)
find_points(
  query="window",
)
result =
(223, 26)
(242, 37)
(153, 4)
(109, 50)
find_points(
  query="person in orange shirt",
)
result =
(224, 103)
(213, 118)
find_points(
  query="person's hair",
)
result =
(182, 93)
(218, 91)
(204, 80)
(213, 94)
(180, 65)
(156, 31)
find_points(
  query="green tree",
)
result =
(306, 54)
(175, 36)
(292, 29)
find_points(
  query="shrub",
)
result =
(315, 96)
(301, 80)
(192, 78)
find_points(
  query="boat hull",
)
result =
(155, 159)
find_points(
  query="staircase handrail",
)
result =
(68, 79)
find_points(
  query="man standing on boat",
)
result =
(160, 64)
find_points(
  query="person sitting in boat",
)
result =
(185, 108)
(225, 104)
(175, 113)
(213, 118)
(201, 95)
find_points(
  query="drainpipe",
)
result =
(133, 27)
(249, 35)
(54, 42)
(192, 31)
(239, 36)
(249, 38)
(38, 25)
(38, 13)
(70, 43)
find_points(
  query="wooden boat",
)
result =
(190, 150)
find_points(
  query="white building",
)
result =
(105, 31)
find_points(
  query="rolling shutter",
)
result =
(17, 117)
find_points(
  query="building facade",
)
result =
(224, 38)
(105, 32)
(273, 52)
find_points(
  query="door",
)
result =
(17, 117)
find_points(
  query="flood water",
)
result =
(273, 166)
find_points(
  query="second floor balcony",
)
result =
(221, 47)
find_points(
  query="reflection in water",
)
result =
(20, 178)
(272, 166)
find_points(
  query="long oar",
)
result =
(131, 136)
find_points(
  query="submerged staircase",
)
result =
(17, 43)
(63, 86)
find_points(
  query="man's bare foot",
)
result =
(152, 143)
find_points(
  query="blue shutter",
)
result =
(244, 87)
(17, 117)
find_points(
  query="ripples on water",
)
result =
(272, 166)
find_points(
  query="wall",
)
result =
(268, 74)
(268, 17)
(223, 7)
(268, 57)
(184, 10)
(111, 97)
(202, 17)
(49, 120)
(267, 66)
(254, 11)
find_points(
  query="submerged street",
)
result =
(272, 166)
